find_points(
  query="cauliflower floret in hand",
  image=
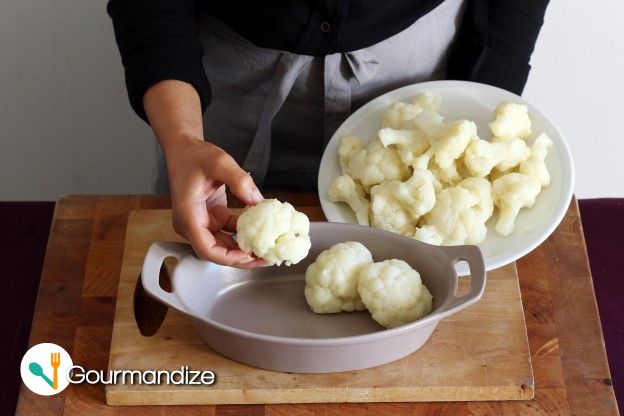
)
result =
(409, 143)
(511, 193)
(275, 232)
(345, 189)
(348, 146)
(535, 165)
(376, 164)
(332, 280)
(393, 293)
(511, 119)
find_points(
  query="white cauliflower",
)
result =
(512, 120)
(448, 140)
(511, 193)
(409, 143)
(376, 164)
(332, 280)
(416, 195)
(428, 234)
(345, 189)
(394, 293)
(398, 113)
(535, 165)
(427, 101)
(448, 176)
(482, 156)
(388, 213)
(482, 191)
(455, 219)
(348, 146)
(515, 151)
(396, 206)
(274, 231)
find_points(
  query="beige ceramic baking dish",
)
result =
(261, 318)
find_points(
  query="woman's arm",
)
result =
(167, 86)
(197, 172)
(495, 41)
(158, 40)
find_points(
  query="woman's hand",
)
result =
(198, 173)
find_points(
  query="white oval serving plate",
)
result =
(476, 102)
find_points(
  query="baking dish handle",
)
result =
(473, 256)
(150, 273)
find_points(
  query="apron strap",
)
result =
(361, 65)
(288, 69)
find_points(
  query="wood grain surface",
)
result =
(481, 353)
(77, 295)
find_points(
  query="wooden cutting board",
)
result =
(481, 353)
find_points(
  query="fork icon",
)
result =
(55, 361)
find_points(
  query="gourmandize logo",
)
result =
(44, 369)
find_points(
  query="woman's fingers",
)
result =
(225, 170)
(216, 246)
(218, 197)
(223, 219)
(192, 222)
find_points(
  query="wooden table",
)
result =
(76, 303)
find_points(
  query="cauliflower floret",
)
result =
(511, 193)
(388, 213)
(428, 234)
(417, 194)
(511, 119)
(496, 174)
(348, 146)
(397, 206)
(454, 219)
(448, 140)
(345, 189)
(274, 231)
(409, 143)
(398, 113)
(427, 101)
(481, 156)
(332, 280)
(394, 293)
(449, 176)
(515, 151)
(482, 190)
(502, 153)
(535, 165)
(376, 164)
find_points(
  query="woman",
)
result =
(246, 94)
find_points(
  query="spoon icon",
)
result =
(36, 370)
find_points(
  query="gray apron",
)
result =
(274, 111)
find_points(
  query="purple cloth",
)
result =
(24, 228)
(603, 225)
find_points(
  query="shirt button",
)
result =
(325, 27)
